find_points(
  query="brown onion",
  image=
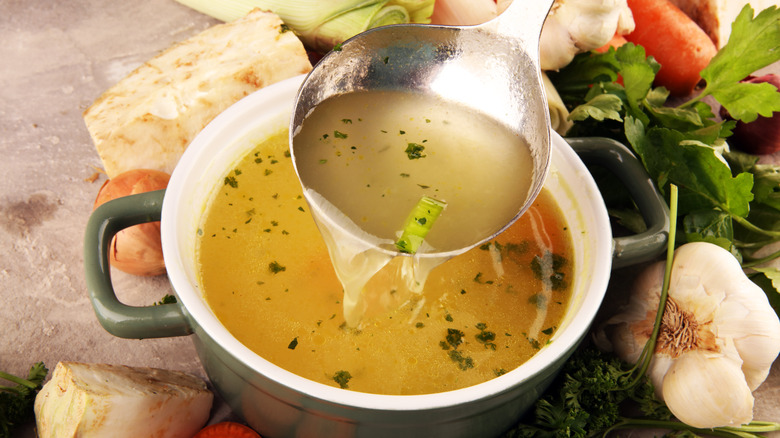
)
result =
(136, 250)
(761, 136)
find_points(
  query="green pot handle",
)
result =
(121, 320)
(623, 163)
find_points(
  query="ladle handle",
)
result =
(121, 320)
(522, 20)
(617, 158)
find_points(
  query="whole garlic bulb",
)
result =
(577, 26)
(718, 338)
(572, 26)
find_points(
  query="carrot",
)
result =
(616, 41)
(674, 40)
(227, 429)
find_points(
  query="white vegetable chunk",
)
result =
(99, 400)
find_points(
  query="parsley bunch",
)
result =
(595, 390)
(726, 198)
(16, 402)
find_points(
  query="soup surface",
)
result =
(266, 274)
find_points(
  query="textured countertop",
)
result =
(56, 58)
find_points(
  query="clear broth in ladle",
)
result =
(365, 159)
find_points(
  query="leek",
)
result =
(419, 223)
(321, 25)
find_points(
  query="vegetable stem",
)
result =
(17, 380)
(749, 430)
(419, 223)
(760, 260)
(647, 352)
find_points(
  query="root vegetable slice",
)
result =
(148, 119)
(100, 400)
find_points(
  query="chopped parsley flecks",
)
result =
(485, 337)
(342, 378)
(478, 279)
(534, 343)
(339, 134)
(293, 344)
(553, 264)
(464, 362)
(276, 268)
(454, 337)
(548, 331)
(231, 181)
(346, 121)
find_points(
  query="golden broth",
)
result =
(266, 274)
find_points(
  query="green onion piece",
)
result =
(419, 223)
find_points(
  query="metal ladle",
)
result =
(492, 68)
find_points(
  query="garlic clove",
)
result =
(755, 329)
(708, 390)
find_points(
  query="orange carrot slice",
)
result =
(227, 429)
(616, 41)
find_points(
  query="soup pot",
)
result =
(278, 403)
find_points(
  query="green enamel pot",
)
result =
(278, 403)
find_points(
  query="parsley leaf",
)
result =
(752, 46)
(16, 402)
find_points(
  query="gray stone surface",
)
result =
(56, 58)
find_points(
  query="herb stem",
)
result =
(750, 227)
(749, 430)
(760, 260)
(647, 352)
(17, 380)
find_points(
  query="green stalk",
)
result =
(749, 430)
(647, 352)
(758, 261)
(17, 380)
(419, 223)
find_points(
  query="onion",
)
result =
(761, 136)
(136, 250)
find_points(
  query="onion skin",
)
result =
(761, 136)
(135, 250)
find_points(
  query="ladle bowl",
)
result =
(492, 69)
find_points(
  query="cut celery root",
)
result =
(99, 400)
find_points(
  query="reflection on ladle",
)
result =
(399, 112)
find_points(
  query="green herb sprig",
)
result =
(589, 397)
(726, 197)
(16, 402)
